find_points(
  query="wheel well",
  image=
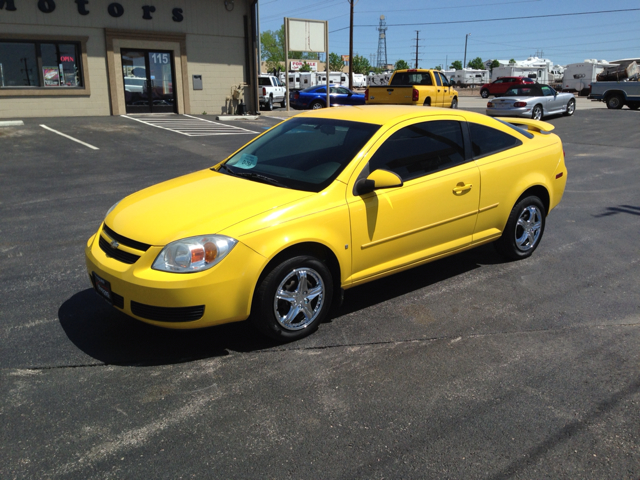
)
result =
(321, 252)
(540, 192)
(614, 93)
(427, 102)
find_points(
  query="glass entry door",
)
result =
(148, 81)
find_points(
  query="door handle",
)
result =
(462, 187)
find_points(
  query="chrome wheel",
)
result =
(536, 114)
(299, 299)
(528, 228)
(316, 105)
(571, 107)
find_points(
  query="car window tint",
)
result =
(343, 91)
(486, 140)
(321, 90)
(445, 82)
(303, 153)
(420, 149)
(547, 91)
(411, 78)
(438, 79)
(264, 82)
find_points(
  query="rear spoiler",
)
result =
(533, 125)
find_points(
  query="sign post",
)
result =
(306, 36)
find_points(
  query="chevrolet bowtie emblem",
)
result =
(114, 244)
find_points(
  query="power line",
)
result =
(497, 19)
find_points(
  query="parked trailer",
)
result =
(578, 77)
(468, 77)
(376, 80)
(537, 74)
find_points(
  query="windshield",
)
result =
(522, 91)
(302, 153)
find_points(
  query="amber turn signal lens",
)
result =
(210, 252)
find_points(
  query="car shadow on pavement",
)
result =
(114, 338)
(111, 337)
(400, 284)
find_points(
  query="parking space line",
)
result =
(190, 126)
(70, 137)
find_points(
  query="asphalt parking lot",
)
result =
(469, 367)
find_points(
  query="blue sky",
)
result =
(563, 38)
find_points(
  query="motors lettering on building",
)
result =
(114, 9)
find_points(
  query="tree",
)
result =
(305, 67)
(360, 65)
(476, 63)
(437, 67)
(272, 48)
(335, 62)
(494, 64)
(456, 65)
(401, 65)
(512, 62)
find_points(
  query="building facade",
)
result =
(106, 57)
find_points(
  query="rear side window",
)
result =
(421, 149)
(486, 140)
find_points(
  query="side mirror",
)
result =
(376, 180)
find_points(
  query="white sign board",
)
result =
(306, 35)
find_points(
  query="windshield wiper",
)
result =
(260, 178)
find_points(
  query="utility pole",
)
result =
(464, 64)
(417, 44)
(350, 48)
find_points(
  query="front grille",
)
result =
(125, 241)
(167, 314)
(120, 255)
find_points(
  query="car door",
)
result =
(552, 103)
(433, 212)
(439, 91)
(339, 96)
(448, 90)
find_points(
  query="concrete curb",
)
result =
(233, 118)
(11, 123)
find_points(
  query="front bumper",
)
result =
(219, 295)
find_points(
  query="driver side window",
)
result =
(420, 149)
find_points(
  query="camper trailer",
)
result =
(336, 78)
(579, 76)
(307, 79)
(294, 80)
(538, 74)
(468, 77)
(378, 79)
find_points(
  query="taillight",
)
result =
(264, 91)
(489, 104)
(296, 96)
(520, 104)
(366, 95)
(415, 95)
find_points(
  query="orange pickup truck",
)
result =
(414, 87)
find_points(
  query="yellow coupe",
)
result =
(322, 202)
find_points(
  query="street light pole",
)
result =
(464, 64)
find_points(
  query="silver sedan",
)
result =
(532, 101)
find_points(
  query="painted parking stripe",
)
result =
(189, 126)
(70, 137)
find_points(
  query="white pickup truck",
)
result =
(270, 91)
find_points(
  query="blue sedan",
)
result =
(316, 97)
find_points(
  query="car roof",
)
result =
(384, 114)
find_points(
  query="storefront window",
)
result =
(18, 65)
(39, 64)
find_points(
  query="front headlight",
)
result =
(194, 254)
(112, 207)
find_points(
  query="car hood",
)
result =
(200, 203)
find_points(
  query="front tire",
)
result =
(283, 103)
(293, 299)
(536, 113)
(524, 229)
(571, 108)
(454, 103)
(615, 102)
(484, 93)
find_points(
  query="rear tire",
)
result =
(283, 103)
(633, 105)
(615, 102)
(316, 105)
(536, 113)
(524, 229)
(293, 299)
